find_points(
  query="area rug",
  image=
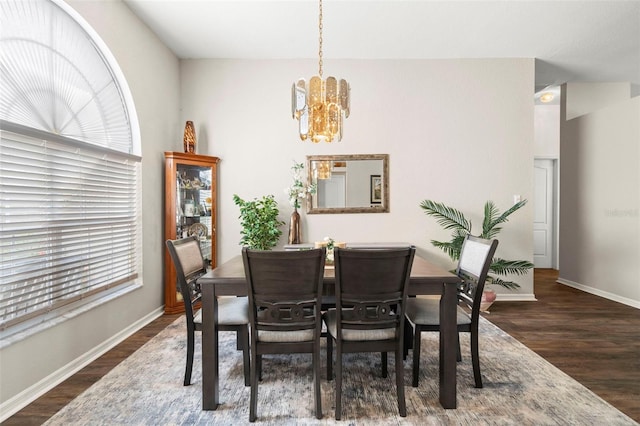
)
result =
(521, 388)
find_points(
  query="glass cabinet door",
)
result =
(193, 205)
(190, 209)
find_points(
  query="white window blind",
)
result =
(70, 224)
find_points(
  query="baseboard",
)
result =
(516, 298)
(27, 396)
(601, 293)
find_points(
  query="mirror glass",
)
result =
(349, 183)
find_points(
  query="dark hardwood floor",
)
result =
(594, 340)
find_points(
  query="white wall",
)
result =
(584, 97)
(546, 120)
(152, 72)
(359, 181)
(600, 204)
(456, 131)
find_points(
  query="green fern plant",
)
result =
(259, 220)
(452, 219)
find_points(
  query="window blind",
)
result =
(68, 222)
(70, 219)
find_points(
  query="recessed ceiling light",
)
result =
(546, 97)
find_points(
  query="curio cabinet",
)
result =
(190, 209)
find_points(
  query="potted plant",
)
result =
(451, 218)
(259, 220)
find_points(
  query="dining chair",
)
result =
(233, 312)
(371, 292)
(424, 314)
(285, 296)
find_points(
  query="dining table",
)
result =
(228, 279)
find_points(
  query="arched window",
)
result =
(70, 225)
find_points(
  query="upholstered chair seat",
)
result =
(352, 334)
(427, 311)
(231, 311)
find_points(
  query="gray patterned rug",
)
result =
(521, 388)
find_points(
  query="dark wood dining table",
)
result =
(228, 279)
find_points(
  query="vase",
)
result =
(295, 228)
(488, 297)
(189, 139)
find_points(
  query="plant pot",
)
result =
(488, 297)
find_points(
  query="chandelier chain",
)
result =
(320, 42)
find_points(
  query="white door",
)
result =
(543, 216)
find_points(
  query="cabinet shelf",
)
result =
(190, 209)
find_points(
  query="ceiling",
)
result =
(571, 40)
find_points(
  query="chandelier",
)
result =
(324, 170)
(320, 106)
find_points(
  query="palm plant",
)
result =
(450, 218)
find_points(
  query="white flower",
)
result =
(330, 245)
(300, 188)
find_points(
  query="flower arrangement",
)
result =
(330, 245)
(300, 188)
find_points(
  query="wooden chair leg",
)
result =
(329, 358)
(475, 360)
(243, 335)
(338, 383)
(190, 350)
(383, 361)
(316, 382)
(402, 404)
(253, 402)
(408, 342)
(458, 352)
(416, 356)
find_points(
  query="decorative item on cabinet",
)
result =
(190, 209)
(189, 139)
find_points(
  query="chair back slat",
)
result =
(190, 265)
(371, 287)
(283, 316)
(285, 288)
(476, 257)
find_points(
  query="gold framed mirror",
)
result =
(349, 183)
